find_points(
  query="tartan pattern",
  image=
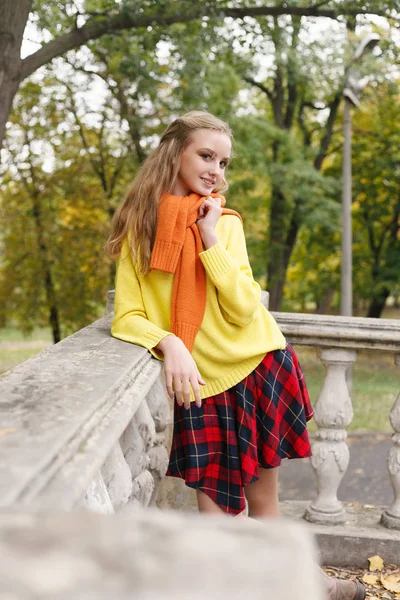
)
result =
(220, 446)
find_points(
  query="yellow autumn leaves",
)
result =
(376, 578)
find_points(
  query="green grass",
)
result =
(15, 347)
(14, 353)
(12, 334)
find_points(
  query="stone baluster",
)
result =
(159, 406)
(117, 477)
(135, 443)
(333, 413)
(391, 516)
(110, 302)
(97, 497)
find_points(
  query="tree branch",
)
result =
(97, 26)
(307, 134)
(260, 86)
(292, 75)
(326, 139)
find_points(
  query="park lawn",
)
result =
(13, 353)
(15, 347)
(12, 334)
(375, 377)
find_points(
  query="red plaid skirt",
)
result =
(219, 447)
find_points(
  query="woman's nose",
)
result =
(214, 168)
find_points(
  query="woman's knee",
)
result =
(262, 495)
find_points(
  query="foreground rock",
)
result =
(152, 555)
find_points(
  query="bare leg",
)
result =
(207, 505)
(262, 495)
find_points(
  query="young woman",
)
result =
(185, 291)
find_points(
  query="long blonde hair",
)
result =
(138, 213)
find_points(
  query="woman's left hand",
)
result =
(209, 212)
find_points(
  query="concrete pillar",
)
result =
(330, 459)
(391, 516)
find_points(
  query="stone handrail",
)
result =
(340, 332)
(339, 338)
(83, 423)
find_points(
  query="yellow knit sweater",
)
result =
(237, 330)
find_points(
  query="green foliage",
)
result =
(315, 270)
(55, 216)
(376, 207)
(72, 151)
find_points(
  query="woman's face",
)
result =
(203, 163)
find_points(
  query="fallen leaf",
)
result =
(7, 431)
(391, 582)
(370, 579)
(375, 563)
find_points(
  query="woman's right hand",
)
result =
(181, 371)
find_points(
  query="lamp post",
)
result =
(351, 93)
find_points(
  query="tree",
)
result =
(54, 214)
(314, 274)
(77, 27)
(376, 207)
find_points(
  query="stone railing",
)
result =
(157, 555)
(83, 423)
(338, 339)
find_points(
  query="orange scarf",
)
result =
(176, 250)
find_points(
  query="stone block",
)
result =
(154, 555)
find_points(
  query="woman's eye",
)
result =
(223, 164)
(206, 156)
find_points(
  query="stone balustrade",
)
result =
(338, 339)
(85, 422)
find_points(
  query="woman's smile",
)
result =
(203, 163)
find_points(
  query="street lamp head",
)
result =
(366, 45)
(351, 97)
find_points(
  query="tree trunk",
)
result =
(53, 313)
(281, 243)
(13, 18)
(324, 303)
(378, 302)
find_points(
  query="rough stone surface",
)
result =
(97, 497)
(117, 477)
(64, 410)
(154, 556)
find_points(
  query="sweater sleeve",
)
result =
(130, 322)
(229, 269)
